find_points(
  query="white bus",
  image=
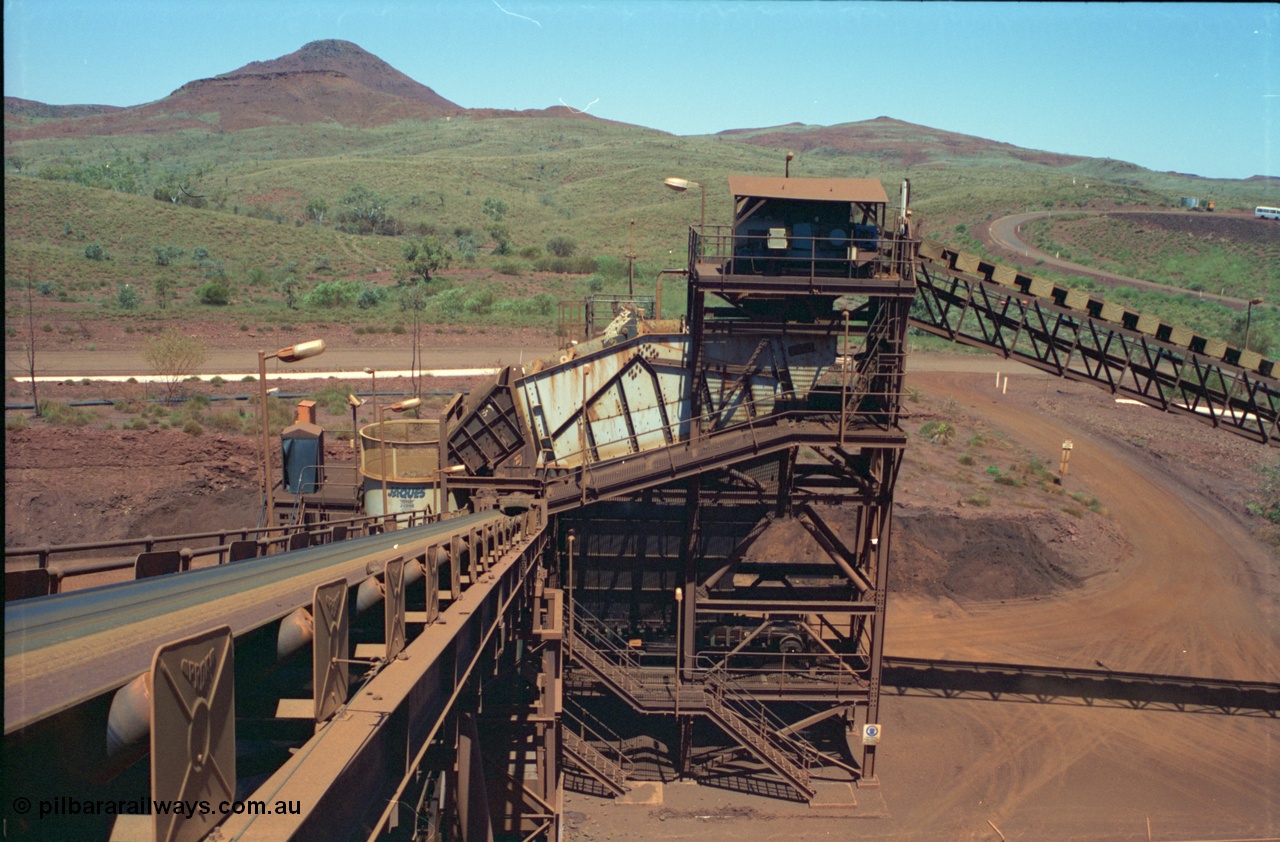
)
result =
(1266, 213)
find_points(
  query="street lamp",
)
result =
(291, 354)
(397, 407)
(682, 184)
(571, 536)
(355, 403)
(679, 641)
(1248, 318)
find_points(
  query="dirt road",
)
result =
(1003, 232)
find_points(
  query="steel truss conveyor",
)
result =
(1072, 334)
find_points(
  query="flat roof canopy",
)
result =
(862, 190)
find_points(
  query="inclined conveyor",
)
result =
(63, 649)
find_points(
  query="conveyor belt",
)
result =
(66, 648)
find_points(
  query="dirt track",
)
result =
(1003, 233)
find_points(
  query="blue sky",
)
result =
(1181, 86)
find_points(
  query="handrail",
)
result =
(893, 399)
(149, 542)
(610, 738)
(59, 572)
(889, 252)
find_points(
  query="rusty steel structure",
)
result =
(604, 546)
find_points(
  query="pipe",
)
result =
(129, 720)
(296, 632)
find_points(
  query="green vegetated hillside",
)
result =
(86, 216)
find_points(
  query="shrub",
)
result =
(370, 297)
(96, 251)
(479, 303)
(17, 422)
(226, 422)
(193, 428)
(174, 357)
(510, 267)
(165, 255)
(561, 246)
(331, 294)
(128, 298)
(333, 398)
(62, 415)
(938, 432)
(214, 293)
(199, 254)
(1267, 503)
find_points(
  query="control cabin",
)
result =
(802, 228)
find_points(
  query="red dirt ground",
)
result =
(1169, 575)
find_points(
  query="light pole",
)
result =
(374, 376)
(679, 641)
(571, 536)
(682, 184)
(291, 354)
(355, 403)
(1248, 319)
(397, 407)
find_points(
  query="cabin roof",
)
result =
(808, 189)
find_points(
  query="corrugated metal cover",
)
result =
(811, 189)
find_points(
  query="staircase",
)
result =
(579, 740)
(776, 752)
(595, 647)
(591, 761)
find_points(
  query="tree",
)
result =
(501, 238)
(426, 255)
(364, 211)
(316, 209)
(31, 346)
(174, 358)
(163, 287)
(413, 300)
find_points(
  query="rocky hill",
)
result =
(895, 142)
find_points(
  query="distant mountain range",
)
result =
(335, 81)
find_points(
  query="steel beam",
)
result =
(361, 761)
